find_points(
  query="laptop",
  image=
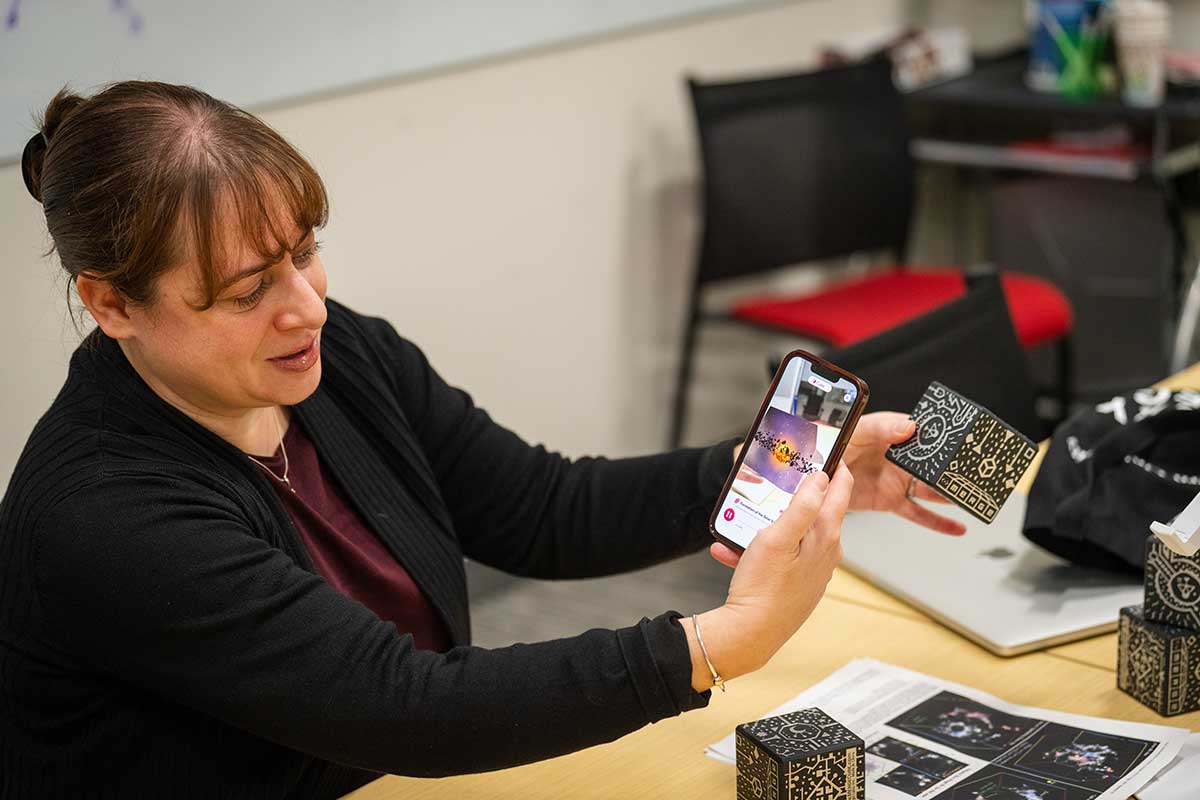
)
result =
(991, 585)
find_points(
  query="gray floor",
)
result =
(505, 609)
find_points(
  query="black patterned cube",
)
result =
(804, 755)
(1172, 586)
(965, 452)
(1158, 665)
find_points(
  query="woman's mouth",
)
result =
(302, 359)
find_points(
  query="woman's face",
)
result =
(257, 345)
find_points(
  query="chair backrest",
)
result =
(968, 344)
(1110, 247)
(802, 167)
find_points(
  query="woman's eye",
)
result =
(304, 256)
(246, 301)
(301, 260)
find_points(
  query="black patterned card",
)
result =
(964, 451)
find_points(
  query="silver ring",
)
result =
(912, 487)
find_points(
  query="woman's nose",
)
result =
(304, 304)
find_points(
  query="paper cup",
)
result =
(1143, 31)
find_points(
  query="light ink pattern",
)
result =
(966, 453)
(827, 776)
(1159, 665)
(943, 419)
(757, 772)
(986, 467)
(1140, 660)
(804, 755)
(1172, 586)
(806, 731)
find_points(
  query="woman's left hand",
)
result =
(879, 485)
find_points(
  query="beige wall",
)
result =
(528, 222)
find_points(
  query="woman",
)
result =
(231, 551)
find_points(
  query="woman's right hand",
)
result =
(776, 583)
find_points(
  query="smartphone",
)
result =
(803, 426)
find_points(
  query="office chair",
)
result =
(815, 166)
(969, 344)
(1112, 248)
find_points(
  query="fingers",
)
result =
(923, 491)
(802, 510)
(915, 512)
(787, 531)
(725, 554)
(837, 500)
(883, 428)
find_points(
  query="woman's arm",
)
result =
(176, 596)
(532, 512)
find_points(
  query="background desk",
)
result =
(967, 122)
(970, 124)
(854, 620)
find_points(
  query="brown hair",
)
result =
(126, 175)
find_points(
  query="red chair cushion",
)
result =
(849, 311)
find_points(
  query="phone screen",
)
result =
(795, 436)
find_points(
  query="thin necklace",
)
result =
(284, 480)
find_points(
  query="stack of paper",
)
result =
(937, 740)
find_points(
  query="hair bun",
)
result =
(32, 159)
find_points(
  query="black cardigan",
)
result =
(163, 632)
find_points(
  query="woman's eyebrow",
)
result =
(248, 271)
(245, 273)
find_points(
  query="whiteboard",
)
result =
(254, 52)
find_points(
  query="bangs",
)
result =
(251, 196)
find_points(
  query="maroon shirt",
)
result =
(345, 551)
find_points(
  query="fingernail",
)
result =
(821, 481)
(907, 426)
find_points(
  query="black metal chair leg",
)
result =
(1066, 374)
(683, 379)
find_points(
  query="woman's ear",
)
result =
(106, 305)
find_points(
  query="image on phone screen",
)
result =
(797, 433)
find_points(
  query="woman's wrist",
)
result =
(730, 654)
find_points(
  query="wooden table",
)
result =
(854, 620)
(666, 759)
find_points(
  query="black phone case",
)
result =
(965, 452)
